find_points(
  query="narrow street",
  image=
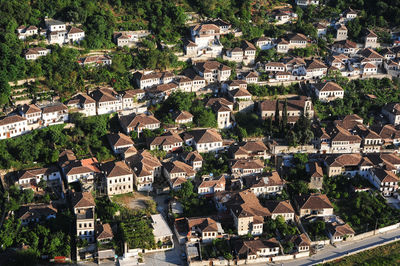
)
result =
(331, 252)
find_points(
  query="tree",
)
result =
(276, 121)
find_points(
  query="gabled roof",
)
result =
(31, 173)
(143, 163)
(216, 183)
(82, 200)
(314, 201)
(115, 169)
(328, 86)
(385, 175)
(193, 156)
(179, 167)
(340, 230)
(205, 135)
(103, 231)
(54, 108)
(205, 224)
(345, 44)
(370, 54)
(119, 139)
(252, 247)
(181, 115)
(278, 207)
(165, 139)
(247, 164)
(104, 95)
(138, 120)
(246, 204)
(11, 120)
(30, 109)
(35, 211)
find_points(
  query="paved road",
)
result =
(331, 252)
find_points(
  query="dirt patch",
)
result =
(135, 200)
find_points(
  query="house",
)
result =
(369, 69)
(54, 114)
(193, 158)
(314, 204)
(345, 47)
(245, 167)
(213, 71)
(275, 67)
(131, 97)
(386, 181)
(81, 170)
(35, 53)
(348, 164)
(250, 77)
(343, 141)
(203, 229)
(146, 168)
(297, 41)
(239, 94)
(211, 186)
(76, 35)
(341, 33)
(206, 38)
(107, 100)
(12, 126)
(147, 79)
(35, 213)
(33, 176)
(182, 117)
(235, 54)
(371, 57)
(264, 43)
(264, 184)
(282, 16)
(95, 60)
(295, 108)
(168, 142)
(83, 206)
(316, 69)
(296, 66)
(118, 177)
(371, 141)
(178, 172)
(392, 112)
(339, 232)
(316, 175)
(321, 29)
(223, 113)
(248, 150)
(349, 14)
(161, 231)
(138, 123)
(159, 93)
(249, 52)
(257, 248)
(211, 101)
(29, 31)
(204, 140)
(119, 142)
(304, 3)
(103, 233)
(328, 91)
(388, 133)
(83, 104)
(59, 33)
(31, 112)
(247, 212)
(370, 39)
(280, 208)
(301, 242)
(129, 38)
(185, 84)
(282, 46)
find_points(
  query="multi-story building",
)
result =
(204, 140)
(138, 123)
(213, 71)
(84, 209)
(54, 114)
(12, 126)
(107, 101)
(83, 104)
(118, 177)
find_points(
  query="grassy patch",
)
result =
(384, 255)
